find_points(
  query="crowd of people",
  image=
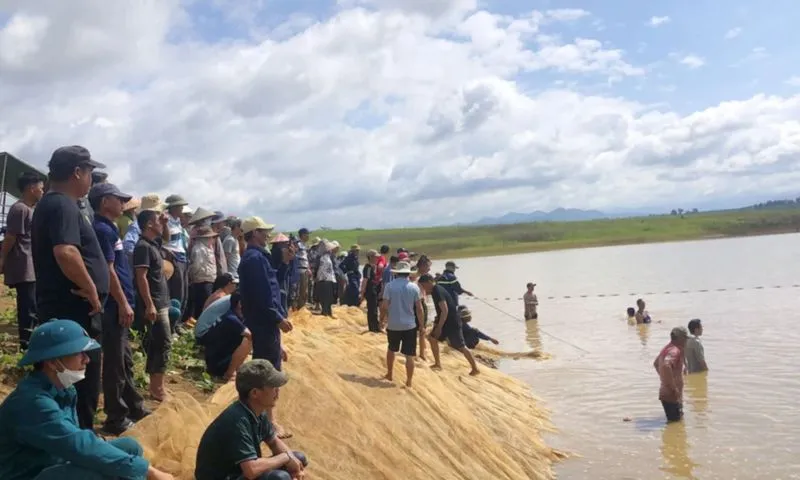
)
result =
(89, 263)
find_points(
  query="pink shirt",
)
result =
(672, 356)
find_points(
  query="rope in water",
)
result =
(521, 320)
(646, 294)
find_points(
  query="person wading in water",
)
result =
(669, 365)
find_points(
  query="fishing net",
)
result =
(352, 425)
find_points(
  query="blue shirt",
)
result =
(472, 335)
(258, 285)
(212, 315)
(175, 243)
(221, 341)
(386, 276)
(131, 237)
(113, 251)
(39, 429)
(402, 296)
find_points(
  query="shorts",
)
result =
(403, 341)
(531, 316)
(454, 334)
(673, 410)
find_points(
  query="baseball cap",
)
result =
(258, 374)
(451, 264)
(304, 231)
(67, 158)
(57, 339)
(108, 189)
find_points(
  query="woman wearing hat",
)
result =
(326, 278)
(39, 434)
(202, 268)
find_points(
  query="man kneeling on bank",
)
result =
(231, 446)
(39, 434)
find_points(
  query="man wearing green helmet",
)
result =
(39, 434)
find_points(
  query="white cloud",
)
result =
(733, 33)
(376, 114)
(692, 61)
(658, 21)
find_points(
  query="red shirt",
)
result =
(379, 268)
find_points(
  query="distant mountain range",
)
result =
(557, 215)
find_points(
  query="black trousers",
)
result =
(178, 285)
(26, 312)
(157, 343)
(119, 392)
(89, 388)
(326, 296)
(200, 293)
(372, 311)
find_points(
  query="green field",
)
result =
(463, 241)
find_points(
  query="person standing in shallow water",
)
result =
(669, 366)
(531, 303)
(695, 354)
(641, 314)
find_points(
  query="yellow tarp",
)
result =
(354, 426)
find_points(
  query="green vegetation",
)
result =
(473, 241)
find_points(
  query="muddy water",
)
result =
(742, 418)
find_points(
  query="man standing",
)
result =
(402, 304)
(229, 235)
(669, 365)
(450, 282)
(531, 303)
(369, 291)
(122, 403)
(173, 241)
(152, 299)
(695, 354)
(72, 272)
(303, 268)
(448, 324)
(350, 268)
(16, 260)
(261, 299)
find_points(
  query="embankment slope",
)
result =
(353, 425)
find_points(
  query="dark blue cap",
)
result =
(71, 157)
(106, 189)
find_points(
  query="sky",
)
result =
(379, 113)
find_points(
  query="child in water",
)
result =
(472, 336)
(631, 316)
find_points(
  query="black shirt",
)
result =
(147, 254)
(369, 274)
(441, 294)
(57, 220)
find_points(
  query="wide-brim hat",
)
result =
(57, 339)
(187, 210)
(250, 224)
(132, 204)
(315, 242)
(199, 215)
(151, 202)
(204, 232)
(279, 238)
(402, 267)
(175, 201)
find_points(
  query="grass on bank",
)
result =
(473, 241)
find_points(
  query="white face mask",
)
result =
(69, 377)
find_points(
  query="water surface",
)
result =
(742, 420)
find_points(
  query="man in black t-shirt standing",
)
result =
(447, 325)
(152, 298)
(72, 274)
